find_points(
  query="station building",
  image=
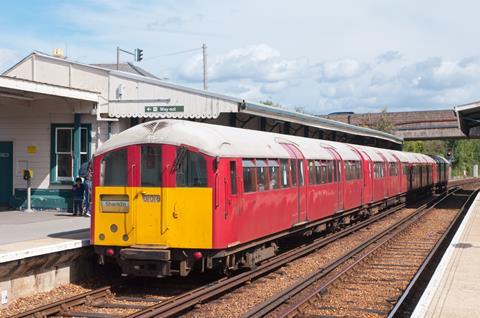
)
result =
(55, 112)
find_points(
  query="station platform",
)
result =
(24, 235)
(454, 289)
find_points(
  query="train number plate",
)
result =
(151, 198)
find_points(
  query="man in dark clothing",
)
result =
(78, 192)
(86, 172)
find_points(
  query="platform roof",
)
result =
(468, 116)
(28, 90)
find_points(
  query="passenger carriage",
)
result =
(171, 195)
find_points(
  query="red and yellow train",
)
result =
(171, 195)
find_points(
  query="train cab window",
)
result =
(262, 175)
(301, 173)
(151, 166)
(284, 173)
(293, 171)
(274, 174)
(114, 169)
(233, 177)
(192, 169)
(311, 172)
(248, 176)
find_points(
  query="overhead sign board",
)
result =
(164, 109)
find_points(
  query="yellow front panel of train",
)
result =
(170, 217)
(113, 220)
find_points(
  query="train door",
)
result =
(384, 174)
(232, 207)
(367, 177)
(147, 196)
(297, 169)
(340, 181)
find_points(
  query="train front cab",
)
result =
(141, 217)
(440, 172)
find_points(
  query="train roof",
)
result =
(224, 141)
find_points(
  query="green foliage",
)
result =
(384, 123)
(464, 153)
(414, 146)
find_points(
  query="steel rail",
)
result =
(428, 264)
(63, 305)
(358, 253)
(205, 292)
(185, 301)
(189, 299)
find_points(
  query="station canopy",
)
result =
(468, 117)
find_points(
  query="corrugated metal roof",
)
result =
(315, 121)
(126, 67)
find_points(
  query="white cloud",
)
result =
(259, 63)
(388, 56)
(332, 71)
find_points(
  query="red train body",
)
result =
(261, 187)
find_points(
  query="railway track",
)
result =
(368, 280)
(103, 299)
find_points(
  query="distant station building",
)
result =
(55, 112)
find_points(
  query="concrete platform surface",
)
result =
(30, 234)
(454, 290)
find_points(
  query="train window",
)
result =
(311, 172)
(393, 169)
(335, 170)
(405, 168)
(293, 170)
(318, 172)
(378, 168)
(301, 173)
(114, 169)
(352, 170)
(284, 172)
(233, 177)
(248, 176)
(273, 170)
(262, 175)
(151, 166)
(192, 169)
(330, 171)
(348, 174)
(324, 171)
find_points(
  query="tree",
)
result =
(384, 123)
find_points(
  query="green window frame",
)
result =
(85, 150)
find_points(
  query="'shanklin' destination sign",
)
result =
(164, 109)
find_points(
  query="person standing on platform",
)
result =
(87, 202)
(78, 193)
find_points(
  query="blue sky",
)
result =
(322, 56)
